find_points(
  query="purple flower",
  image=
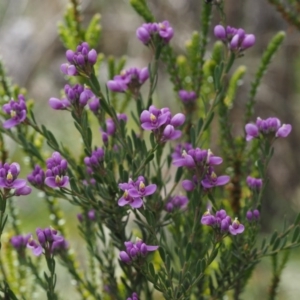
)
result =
(187, 97)
(80, 61)
(284, 131)
(56, 170)
(208, 219)
(76, 96)
(23, 191)
(254, 183)
(148, 31)
(220, 32)
(176, 202)
(135, 191)
(165, 31)
(253, 215)
(188, 185)
(37, 177)
(161, 122)
(134, 296)
(178, 151)
(212, 180)
(95, 161)
(266, 127)
(236, 227)
(131, 79)
(16, 110)
(8, 176)
(134, 251)
(236, 39)
(48, 242)
(19, 242)
(94, 105)
(251, 131)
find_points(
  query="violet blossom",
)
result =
(48, 242)
(131, 79)
(81, 61)
(176, 202)
(148, 31)
(56, 170)
(162, 123)
(187, 97)
(222, 223)
(236, 39)
(17, 111)
(95, 161)
(134, 296)
(37, 177)
(212, 180)
(19, 242)
(134, 251)
(253, 215)
(8, 176)
(254, 183)
(76, 96)
(134, 191)
(269, 126)
(111, 126)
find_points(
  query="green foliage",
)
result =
(141, 7)
(269, 53)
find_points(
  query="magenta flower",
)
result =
(187, 97)
(19, 242)
(176, 202)
(134, 296)
(8, 176)
(23, 191)
(17, 111)
(48, 242)
(253, 215)
(76, 96)
(95, 161)
(236, 39)
(161, 123)
(254, 183)
(131, 79)
(37, 177)
(80, 62)
(236, 227)
(55, 174)
(149, 31)
(266, 127)
(212, 180)
(208, 219)
(135, 251)
(135, 191)
(284, 131)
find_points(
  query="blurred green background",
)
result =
(32, 53)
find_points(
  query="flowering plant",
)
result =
(161, 215)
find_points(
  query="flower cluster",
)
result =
(266, 127)
(162, 124)
(253, 215)
(17, 111)
(48, 241)
(37, 177)
(176, 202)
(9, 180)
(94, 161)
(148, 31)
(80, 62)
(135, 251)
(254, 183)
(201, 163)
(131, 79)
(236, 39)
(187, 97)
(56, 170)
(134, 296)
(222, 222)
(134, 191)
(76, 96)
(90, 215)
